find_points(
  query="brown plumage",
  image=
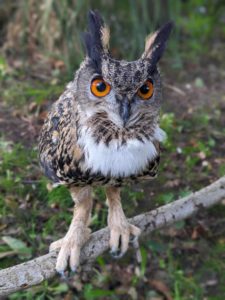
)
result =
(104, 130)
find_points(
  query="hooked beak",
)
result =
(125, 110)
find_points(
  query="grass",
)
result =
(42, 215)
(56, 34)
(32, 215)
(69, 19)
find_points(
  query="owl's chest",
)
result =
(117, 159)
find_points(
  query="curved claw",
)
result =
(116, 253)
(120, 237)
(62, 275)
(68, 275)
(70, 247)
(133, 239)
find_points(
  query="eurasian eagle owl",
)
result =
(104, 130)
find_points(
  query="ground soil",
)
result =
(186, 93)
(181, 96)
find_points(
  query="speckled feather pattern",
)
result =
(110, 139)
(63, 157)
(84, 141)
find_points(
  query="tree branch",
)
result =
(39, 269)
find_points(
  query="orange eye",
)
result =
(99, 87)
(146, 90)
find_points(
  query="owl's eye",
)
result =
(145, 92)
(99, 87)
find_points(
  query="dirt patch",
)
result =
(184, 93)
(193, 89)
(18, 128)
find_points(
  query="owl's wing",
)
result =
(151, 170)
(58, 149)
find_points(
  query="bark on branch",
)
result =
(39, 269)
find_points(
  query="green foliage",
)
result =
(42, 292)
(200, 22)
(57, 33)
(222, 170)
(60, 196)
(49, 216)
(91, 293)
(15, 167)
(42, 214)
(167, 123)
(143, 261)
(18, 246)
(20, 93)
(185, 288)
(164, 199)
(3, 67)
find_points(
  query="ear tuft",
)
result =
(105, 36)
(96, 39)
(156, 43)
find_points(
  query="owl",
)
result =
(104, 131)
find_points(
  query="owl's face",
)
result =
(118, 97)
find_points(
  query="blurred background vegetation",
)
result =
(49, 30)
(40, 49)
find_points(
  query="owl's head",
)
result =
(125, 95)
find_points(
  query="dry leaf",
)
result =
(161, 287)
(7, 254)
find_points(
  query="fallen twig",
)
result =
(175, 89)
(39, 269)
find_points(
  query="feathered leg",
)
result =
(78, 232)
(120, 229)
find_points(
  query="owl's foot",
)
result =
(121, 231)
(70, 247)
(120, 236)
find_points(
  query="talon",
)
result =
(62, 274)
(133, 239)
(115, 253)
(135, 242)
(71, 245)
(121, 254)
(120, 237)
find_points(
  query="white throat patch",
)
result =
(118, 160)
